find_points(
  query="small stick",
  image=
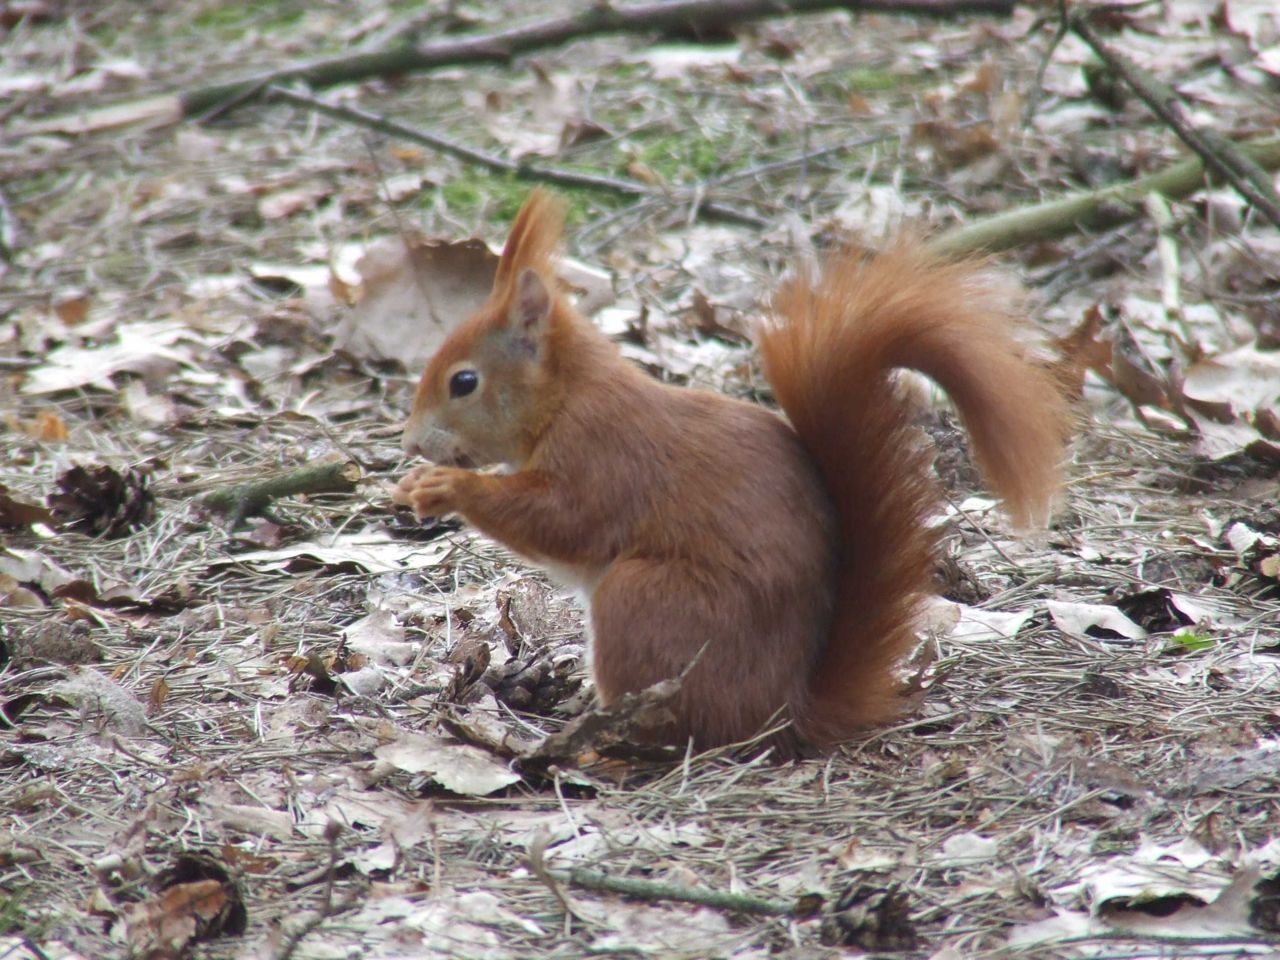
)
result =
(246, 500)
(1037, 87)
(502, 46)
(524, 171)
(655, 18)
(771, 166)
(1090, 209)
(656, 890)
(328, 908)
(1218, 153)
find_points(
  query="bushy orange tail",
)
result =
(830, 358)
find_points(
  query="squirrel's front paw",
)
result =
(430, 491)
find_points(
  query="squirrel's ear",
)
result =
(534, 236)
(530, 312)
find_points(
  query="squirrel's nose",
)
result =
(410, 445)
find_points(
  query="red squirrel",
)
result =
(785, 559)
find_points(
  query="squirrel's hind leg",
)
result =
(654, 620)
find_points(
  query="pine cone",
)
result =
(536, 685)
(102, 502)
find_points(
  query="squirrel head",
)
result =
(483, 398)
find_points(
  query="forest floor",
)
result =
(306, 735)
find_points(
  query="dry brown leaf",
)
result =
(29, 567)
(138, 348)
(956, 146)
(373, 552)
(410, 156)
(1267, 422)
(49, 427)
(1093, 619)
(73, 309)
(640, 928)
(1270, 566)
(158, 695)
(578, 131)
(1237, 384)
(1218, 441)
(14, 12)
(859, 105)
(285, 203)
(413, 292)
(163, 926)
(985, 80)
(16, 514)
(676, 61)
(457, 767)
(342, 292)
(1082, 350)
(1256, 21)
(381, 639)
(253, 821)
(14, 594)
(102, 702)
(554, 105)
(1137, 381)
(121, 598)
(148, 408)
(643, 172)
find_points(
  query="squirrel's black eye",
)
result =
(462, 383)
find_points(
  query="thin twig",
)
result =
(1037, 88)
(1221, 155)
(550, 879)
(313, 920)
(1240, 941)
(656, 891)
(525, 171)
(772, 166)
(595, 20)
(328, 908)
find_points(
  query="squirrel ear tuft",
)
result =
(533, 240)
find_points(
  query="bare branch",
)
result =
(1222, 156)
(600, 18)
(1092, 209)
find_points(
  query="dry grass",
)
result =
(159, 732)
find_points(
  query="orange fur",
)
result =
(786, 560)
(830, 360)
(533, 240)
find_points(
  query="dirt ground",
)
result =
(300, 734)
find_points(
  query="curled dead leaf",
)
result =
(198, 901)
(1082, 350)
(413, 292)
